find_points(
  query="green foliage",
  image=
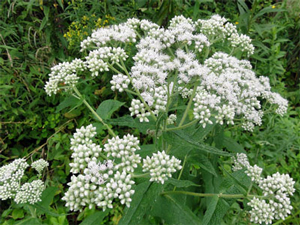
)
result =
(35, 35)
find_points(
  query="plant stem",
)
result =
(219, 195)
(110, 131)
(182, 127)
(139, 175)
(205, 194)
(188, 106)
(184, 161)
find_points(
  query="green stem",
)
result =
(32, 211)
(182, 127)
(188, 106)
(110, 131)
(139, 175)
(205, 194)
(180, 174)
(249, 189)
(220, 195)
(114, 69)
(131, 92)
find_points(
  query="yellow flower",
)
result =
(236, 23)
(273, 6)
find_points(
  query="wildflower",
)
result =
(30, 192)
(277, 188)
(138, 109)
(97, 182)
(273, 6)
(11, 186)
(160, 166)
(39, 165)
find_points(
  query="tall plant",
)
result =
(186, 84)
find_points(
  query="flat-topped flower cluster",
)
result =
(12, 186)
(183, 59)
(276, 188)
(101, 176)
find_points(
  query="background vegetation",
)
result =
(37, 34)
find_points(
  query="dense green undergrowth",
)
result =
(36, 35)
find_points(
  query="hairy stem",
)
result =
(188, 106)
(110, 131)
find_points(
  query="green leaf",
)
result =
(200, 132)
(128, 121)
(267, 10)
(44, 21)
(17, 214)
(96, 218)
(220, 211)
(108, 107)
(180, 138)
(210, 210)
(46, 210)
(232, 145)
(69, 101)
(29, 221)
(202, 161)
(240, 180)
(47, 196)
(174, 211)
(181, 183)
(144, 198)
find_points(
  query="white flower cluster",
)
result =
(39, 165)
(97, 181)
(167, 60)
(171, 61)
(64, 75)
(30, 192)
(98, 60)
(161, 166)
(124, 149)
(119, 82)
(10, 182)
(84, 150)
(171, 119)
(138, 109)
(217, 28)
(277, 188)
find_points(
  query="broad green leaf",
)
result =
(210, 210)
(240, 180)
(42, 209)
(96, 218)
(29, 221)
(181, 183)
(220, 211)
(17, 214)
(128, 121)
(135, 210)
(174, 212)
(219, 136)
(200, 132)
(202, 161)
(47, 196)
(72, 114)
(180, 138)
(146, 150)
(267, 10)
(69, 101)
(108, 107)
(232, 145)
